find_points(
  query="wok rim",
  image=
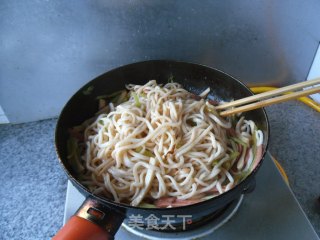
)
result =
(110, 202)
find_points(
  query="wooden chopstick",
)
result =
(270, 101)
(269, 94)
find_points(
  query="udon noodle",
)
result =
(163, 146)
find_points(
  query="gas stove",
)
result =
(270, 212)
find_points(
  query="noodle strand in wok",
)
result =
(166, 147)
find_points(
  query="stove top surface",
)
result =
(270, 212)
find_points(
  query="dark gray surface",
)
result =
(50, 48)
(33, 185)
(33, 188)
(295, 143)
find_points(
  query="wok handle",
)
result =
(78, 228)
(94, 220)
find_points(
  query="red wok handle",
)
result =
(78, 228)
(93, 221)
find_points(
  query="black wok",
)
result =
(100, 218)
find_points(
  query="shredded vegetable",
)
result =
(136, 99)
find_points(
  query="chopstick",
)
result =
(269, 101)
(269, 94)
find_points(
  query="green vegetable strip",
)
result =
(121, 98)
(74, 155)
(233, 120)
(238, 140)
(136, 99)
(78, 128)
(234, 155)
(102, 97)
(146, 205)
(138, 149)
(171, 79)
(207, 198)
(254, 144)
(147, 153)
(88, 91)
(211, 109)
(114, 94)
(234, 145)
